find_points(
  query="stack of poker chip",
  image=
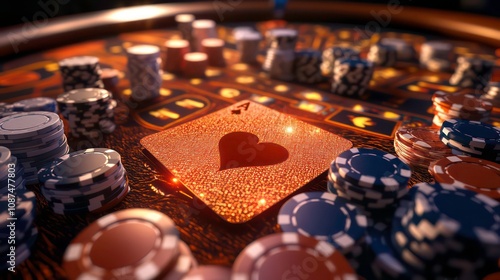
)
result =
(306, 67)
(174, 51)
(492, 94)
(370, 179)
(185, 25)
(472, 72)
(274, 256)
(436, 56)
(89, 112)
(148, 247)
(351, 77)
(84, 181)
(281, 53)
(405, 52)
(419, 146)
(457, 170)
(214, 48)
(247, 43)
(459, 105)
(143, 66)
(382, 55)
(330, 55)
(436, 238)
(301, 214)
(472, 138)
(80, 72)
(34, 138)
(6, 109)
(25, 232)
(11, 173)
(202, 29)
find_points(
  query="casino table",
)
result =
(396, 96)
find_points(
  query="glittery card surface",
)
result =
(243, 159)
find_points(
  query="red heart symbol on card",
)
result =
(242, 149)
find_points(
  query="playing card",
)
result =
(243, 159)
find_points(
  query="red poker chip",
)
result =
(422, 138)
(474, 174)
(273, 256)
(463, 102)
(129, 244)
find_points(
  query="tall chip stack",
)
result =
(472, 138)
(459, 105)
(80, 72)
(143, 65)
(436, 56)
(202, 29)
(25, 232)
(281, 53)
(472, 72)
(247, 43)
(84, 181)
(351, 77)
(371, 179)
(89, 112)
(34, 139)
(330, 55)
(160, 254)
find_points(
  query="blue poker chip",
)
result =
(305, 213)
(372, 168)
(36, 104)
(472, 134)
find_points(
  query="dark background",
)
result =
(14, 11)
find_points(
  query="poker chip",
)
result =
(195, 64)
(372, 168)
(491, 95)
(456, 170)
(133, 243)
(143, 67)
(351, 77)
(282, 38)
(405, 52)
(382, 55)
(185, 262)
(330, 55)
(436, 55)
(80, 72)
(174, 55)
(209, 272)
(279, 63)
(185, 25)
(472, 72)
(36, 104)
(271, 257)
(33, 138)
(460, 105)
(306, 67)
(214, 48)
(247, 44)
(202, 29)
(88, 111)
(343, 232)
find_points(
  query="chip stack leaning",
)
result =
(306, 67)
(34, 138)
(371, 179)
(143, 65)
(472, 72)
(436, 56)
(247, 44)
(202, 29)
(419, 146)
(25, 234)
(459, 105)
(84, 181)
(11, 173)
(280, 54)
(148, 247)
(80, 72)
(330, 55)
(351, 77)
(89, 112)
(472, 138)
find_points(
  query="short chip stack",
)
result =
(281, 53)
(419, 146)
(370, 179)
(134, 243)
(80, 72)
(89, 112)
(345, 229)
(457, 170)
(382, 55)
(448, 231)
(330, 55)
(84, 181)
(306, 67)
(472, 138)
(247, 43)
(143, 66)
(472, 73)
(11, 173)
(34, 138)
(405, 51)
(459, 105)
(351, 77)
(436, 56)
(24, 231)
